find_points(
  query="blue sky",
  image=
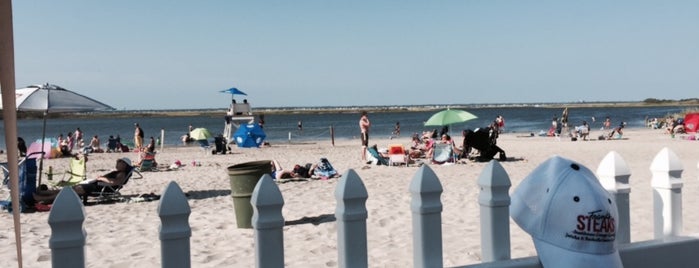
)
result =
(179, 54)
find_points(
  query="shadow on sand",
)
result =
(312, 220)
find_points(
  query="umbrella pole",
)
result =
(41, 159)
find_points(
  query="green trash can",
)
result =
(243, 178)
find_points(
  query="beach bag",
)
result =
(325, 169)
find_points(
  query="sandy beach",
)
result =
(126, 234)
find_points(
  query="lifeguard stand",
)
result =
(237, 113)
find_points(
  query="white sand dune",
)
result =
(126, 234)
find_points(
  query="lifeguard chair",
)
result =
(237, 114)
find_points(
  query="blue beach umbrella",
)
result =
(233, 91)
(249, 135)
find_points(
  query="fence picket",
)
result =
(175, 231)
(268, 222)
(351, 215)
(667, 193)
(68, 235)
(426, 191)
(494, 200)
(613, 174)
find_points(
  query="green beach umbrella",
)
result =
(448, 117)
(200, 134)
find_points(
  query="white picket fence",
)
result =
(668, 249)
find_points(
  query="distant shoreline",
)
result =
(350, 109)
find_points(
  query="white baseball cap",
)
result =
(570, 216)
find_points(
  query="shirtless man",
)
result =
(364, 125)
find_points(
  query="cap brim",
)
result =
(553, 256)
(126, 161)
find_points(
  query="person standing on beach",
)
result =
(78, 135)
(138, 137)
(261, 121)
(500, 121)
(300, 125)
(364, 125)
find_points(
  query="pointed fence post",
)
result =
(494, 200)
(613, 174)
(67, 241)
(351, 214)
(667, 193)
(268, 222)
(175, 232)
(426, 205)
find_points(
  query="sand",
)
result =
(126, 234)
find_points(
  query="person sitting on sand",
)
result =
(64, 146)
(581, 131)
(150, 148)
(618, 131)
(429, 147)
(95, 145)
(146, 154)
(417, 148)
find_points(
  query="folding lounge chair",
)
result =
(112, 192)
(205, 146)
(147, 165)
(397, 155)
(443, 153)
(76, 173)
(112, 145)
(374, 154)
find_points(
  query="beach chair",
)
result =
(205, 146)
(397, 155)
(112, 145)
(27, 182)
(76, 173)
(375, 157)
(443, 153)
(112, 192)
(148, 163)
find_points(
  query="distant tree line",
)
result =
(657, 101)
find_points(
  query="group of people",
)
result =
(74, 140)
(674, 125)
(123, 167)
(422, 146)
(68, 143)
(321, 170)
(582, 131)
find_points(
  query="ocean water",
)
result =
(283, 127)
